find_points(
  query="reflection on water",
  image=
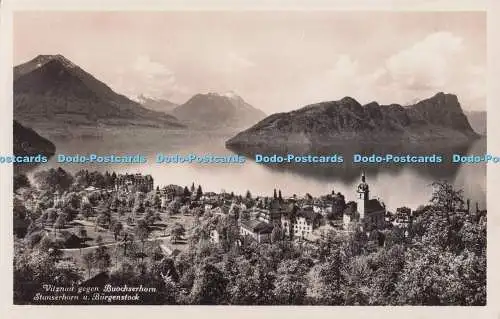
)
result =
(348, 171)
(395, 184)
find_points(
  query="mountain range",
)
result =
(50, 92)
(215, 110)
(52, 89)
(159, 105)
(438, 118)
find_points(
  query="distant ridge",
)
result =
(439, 118)
(159, 105)
(215, 110)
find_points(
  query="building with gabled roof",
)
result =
(256, 229)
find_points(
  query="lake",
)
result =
(395, 184)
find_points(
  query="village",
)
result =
(93, 229)
(116, 208)
(122, 211)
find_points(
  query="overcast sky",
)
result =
(277, 61)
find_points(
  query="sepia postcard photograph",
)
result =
(248, 157)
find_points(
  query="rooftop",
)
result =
(257, 226)
(373, 205)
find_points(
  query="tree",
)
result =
(156, 201)
(142, 232)
(473, 236)
(82, 233)
(357, 278)
(173, 207)
(290, 287)
(81, 178)
(387, 265)
(33, 239)
(20, 181)
(138, 209)
(253, 285)
(192, 188)
(67, 272)
(21, 221)
(276, 234)
(108, 183)
(326, 281)
(45, 244)
(86, 210)
(445, 198)
(115, 251)
(403, 211)
(73, 200)
(186, 192)
(275, 194)
(102, 259)
(53, 179)
(245, 215)
(51, 215)
(339, 205)
(117, 228)
(440, 223)
(199, 192)
(128, 241)
(170, 290)
(102, 220)
(97, 179)
(209, 286)
(151, 217)
(177, 232)
(248, 195)
(34, 267)
(436, 277)
(234, 211)
(88, 261)
(60, 222)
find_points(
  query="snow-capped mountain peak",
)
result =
(231, 95)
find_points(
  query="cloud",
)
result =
(426, 64)
(436, 63)
(344, 67)
(144, 64)
(149, 78)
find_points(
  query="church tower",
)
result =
(362, 196)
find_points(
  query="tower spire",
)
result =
(363, 195)
(363, 187)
